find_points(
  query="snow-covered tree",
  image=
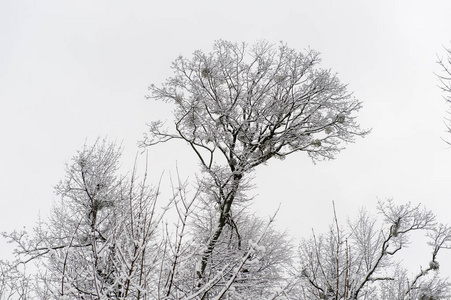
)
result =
(101, 239)
(239, 106)
(362, 261)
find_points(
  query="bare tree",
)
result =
(100, 241)
(239, 106)
(359, 262)
(445, 78)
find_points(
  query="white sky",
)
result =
(76, 70)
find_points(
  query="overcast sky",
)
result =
(72, 71)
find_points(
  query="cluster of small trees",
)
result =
(236, 108)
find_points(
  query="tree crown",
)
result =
(252, 103)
